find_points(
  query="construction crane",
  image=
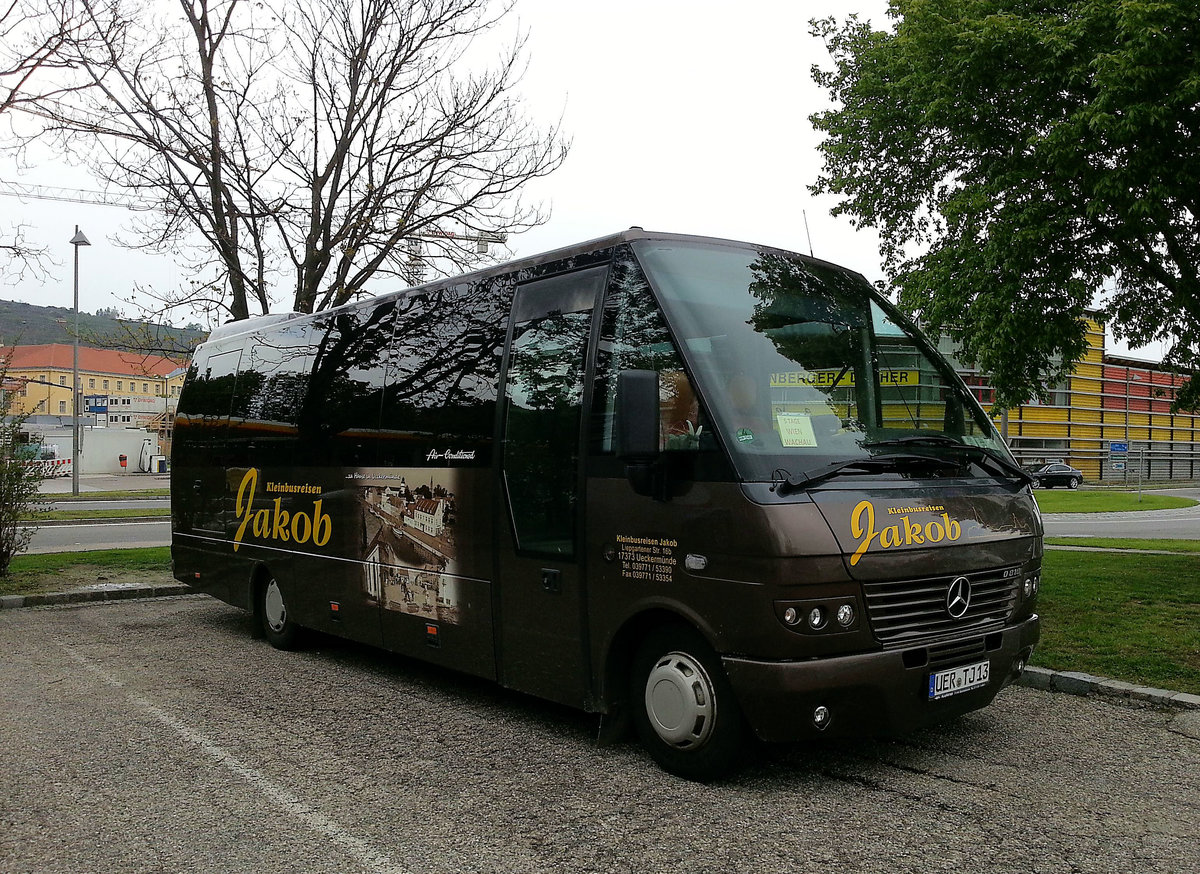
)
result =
(29, 191)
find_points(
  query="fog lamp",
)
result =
(820, 717)
(790, 616)
(845, 615)
(1028, 586)
(816, 617)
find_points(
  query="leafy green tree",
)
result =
(19, 480)
(1019, 156)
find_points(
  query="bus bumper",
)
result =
(870, 694)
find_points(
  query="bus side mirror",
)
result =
(636, 415)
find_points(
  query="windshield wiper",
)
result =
(875, 464)
(979, 452)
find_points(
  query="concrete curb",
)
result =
(114, 592)
(1075, 683)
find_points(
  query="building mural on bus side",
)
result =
(410, 535)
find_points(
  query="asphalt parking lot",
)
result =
(157, 736)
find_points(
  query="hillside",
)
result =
(24, 324)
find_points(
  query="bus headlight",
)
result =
(819, 615)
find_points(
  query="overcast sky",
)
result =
(686, 116)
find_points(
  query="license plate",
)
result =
(942, 684)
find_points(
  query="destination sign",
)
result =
(826, 378)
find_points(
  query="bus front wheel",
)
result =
(277, 626)
(683, 706)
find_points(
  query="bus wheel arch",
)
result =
(677, 696)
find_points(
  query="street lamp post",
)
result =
(78, 240)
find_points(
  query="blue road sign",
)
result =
(1118, 447)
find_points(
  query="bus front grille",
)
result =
(905, 611)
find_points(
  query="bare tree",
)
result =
(17, 256)
(33, 36)
(303, 145)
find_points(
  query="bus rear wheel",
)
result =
(683, 706)
(277, 626)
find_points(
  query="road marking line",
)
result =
(373, 859)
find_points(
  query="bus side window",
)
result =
(442, 372)
(339, 419)
(211, 388)
(273, 375)
(634, 336)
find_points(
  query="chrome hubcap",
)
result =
(275, 609)
(679, 701)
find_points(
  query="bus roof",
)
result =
(255, 323)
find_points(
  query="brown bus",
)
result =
(717, 489)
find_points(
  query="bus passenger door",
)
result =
(541, 638)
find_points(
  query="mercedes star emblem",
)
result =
(958, 598)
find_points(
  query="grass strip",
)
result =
(1127, 617)
(62, 571)
(1161, 544)
(1066, 501)
(107, 496)
(132, 513)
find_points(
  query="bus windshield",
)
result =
(804, 367)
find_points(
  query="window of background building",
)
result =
(106, 384)
(91, 383)
(119, 385)
(62, 380)
(145, 389)
(62, 406)
(979, 386)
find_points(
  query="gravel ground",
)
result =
(156, 736)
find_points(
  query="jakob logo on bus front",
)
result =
(277, 523)
(906, 533)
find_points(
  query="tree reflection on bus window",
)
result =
(541, 437)
(634, 336)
